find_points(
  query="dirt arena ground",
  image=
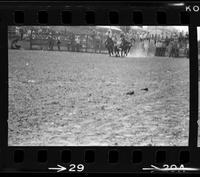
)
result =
(80, 99)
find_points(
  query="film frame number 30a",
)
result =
(97, 87)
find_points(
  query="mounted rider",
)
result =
(109, 42)
(109, 33)
(109, 37)
(125, 45)
(122, 37)
(117, 45)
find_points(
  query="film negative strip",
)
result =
(97, 87)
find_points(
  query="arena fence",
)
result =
(87, 43)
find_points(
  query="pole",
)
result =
(86, 46)
(31, 40)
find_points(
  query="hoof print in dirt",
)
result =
(145, 89)
(102, 107)
(71, 80)
(54, 102)
(130, 93)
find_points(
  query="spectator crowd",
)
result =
(170, 44)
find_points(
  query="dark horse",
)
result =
(114, 49)
(125, 47)
(110, 46)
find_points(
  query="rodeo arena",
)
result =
(98, 85)
(136, 41)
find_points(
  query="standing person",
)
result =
(151, 46)
(49, 41)
(146, 46)
(93, 35)
(157, 48)
(77, 43)
(172, 49)
(187, 48)
(21, 31)
(102, 38)
(68, 41)
(163, 47)
(58, 42)
(72, 42)
(187, 44)
(52, 43)
(167, 42)
(176, 48)
(98, 43)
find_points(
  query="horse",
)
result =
(125, 47)
(109, 44)
(117, 50)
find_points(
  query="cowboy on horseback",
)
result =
(109, 42)
(125, 45)
(117, 48)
